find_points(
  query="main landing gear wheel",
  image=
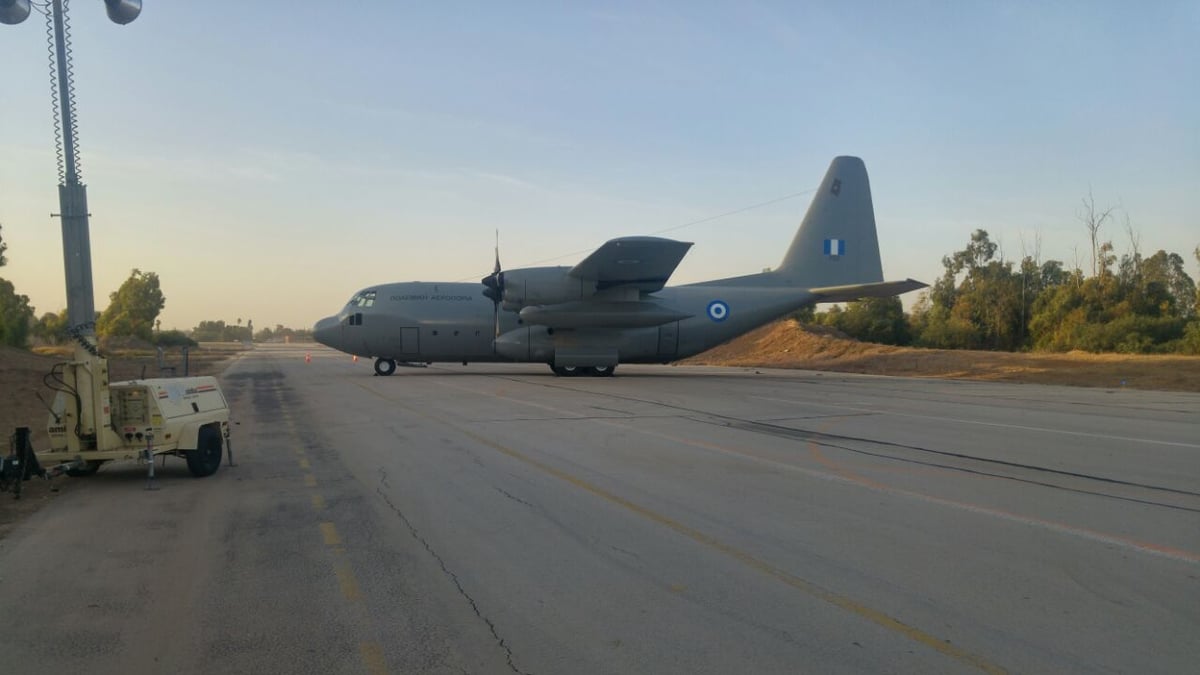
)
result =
(603, 371)
(385, 366)
(570, 371)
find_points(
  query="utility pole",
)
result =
(72, 195)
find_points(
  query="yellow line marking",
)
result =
(347, 582)
(330, 534)
(310, 480)
(869, 613)
(840, 473)
(853, 479)
(372, 656)
(318, 502)
(836, 599)
(303, 463)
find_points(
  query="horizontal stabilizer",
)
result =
(879, 289)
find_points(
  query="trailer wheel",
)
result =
(204, 460)
(89, 468)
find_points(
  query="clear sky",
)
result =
(267, 159)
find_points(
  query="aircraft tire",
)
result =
(603, 371)
(570, 371)
(91, 467)
(385, 367)
(206, 458)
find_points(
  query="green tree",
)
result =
(133, 308)
(173, 338)
(16, 316)
(280, 333)
(209, 331)
(219, 331)
(51, 327)
(1196, 253)
(1164, 287)
(983, 310)
(879, 320)
(934, 326)
(806, 314)
(1126, 311)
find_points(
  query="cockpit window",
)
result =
(364, 299)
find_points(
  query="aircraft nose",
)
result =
(325, 331)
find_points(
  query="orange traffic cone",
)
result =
(356, 358)
(307, 357)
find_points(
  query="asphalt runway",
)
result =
(497, 519)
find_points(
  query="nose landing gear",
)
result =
(385, 367)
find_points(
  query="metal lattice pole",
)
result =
(72, 195)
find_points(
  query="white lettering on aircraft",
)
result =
(418, 298)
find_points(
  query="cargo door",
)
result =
(410, 341)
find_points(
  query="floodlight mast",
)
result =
(72, 195)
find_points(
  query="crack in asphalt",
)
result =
(412, 530)
(513, 497)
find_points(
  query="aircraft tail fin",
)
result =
(836, 244)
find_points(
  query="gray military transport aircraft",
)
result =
(613, 307)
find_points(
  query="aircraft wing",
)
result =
(879, 289)
(644, 263)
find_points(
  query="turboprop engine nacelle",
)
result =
(543, 286)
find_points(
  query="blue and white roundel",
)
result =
(717, 310)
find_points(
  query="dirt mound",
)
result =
(21, 373)
(787, 344)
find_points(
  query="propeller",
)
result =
(495, 287)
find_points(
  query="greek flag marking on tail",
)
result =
(835, 247)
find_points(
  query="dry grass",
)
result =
(785, 344)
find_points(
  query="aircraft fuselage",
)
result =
(454, 322)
